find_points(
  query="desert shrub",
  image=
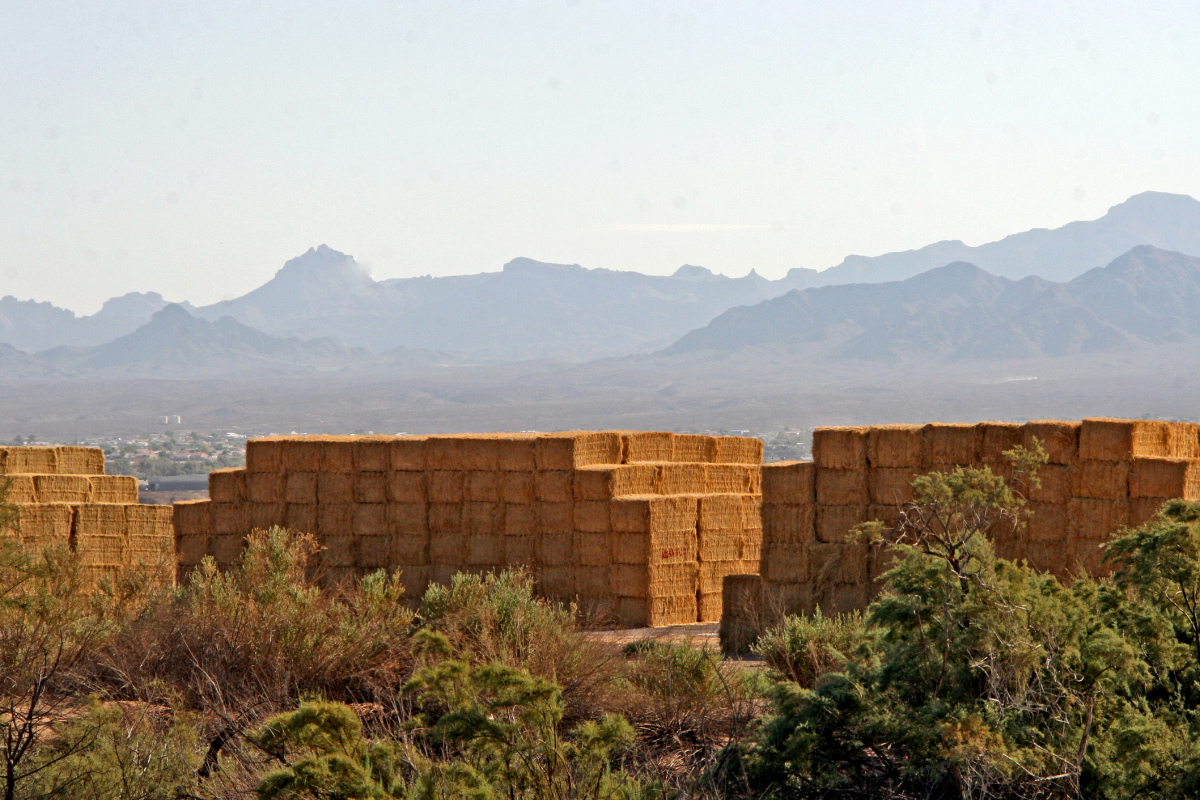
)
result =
(802, 649)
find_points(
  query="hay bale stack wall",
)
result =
(1103, 475)
(65, 499)
(640, 528)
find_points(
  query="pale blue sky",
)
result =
(191, 148)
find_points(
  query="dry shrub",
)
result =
(802, 649)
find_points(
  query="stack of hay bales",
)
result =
(1102, 475)
(64, 498)
(637, 527)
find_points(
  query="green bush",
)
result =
(802, 649)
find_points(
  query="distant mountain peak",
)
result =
(324, 263)
(172, 312)
(522, 264)
(691, 272)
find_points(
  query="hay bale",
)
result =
(446, 486)
(789, 524)
(1165, 477)
(406, 487)
(844, 599)
(80, 460)
(662, 611)
(520, 551)
(1102, 439)
(1056, 484)
(22, 489)
(300, 487)
(374, 552)
(693, 448)
(842, 487)
(840, 448)
(231, 519)
(887, 513)
(593, 549)
(300, 454)
(948, 444)
(226, 549)
(457, 453)
(227, 485)
(446, 520)
(519, 520)
(591, 516)
(267, 515)
(555, 549)
(446, 549)
(792, 482)
(1104, 480)
(554, 517)
(682, 479)
(338, 550)
(265, 487)
(787, 598)
(785, 563)
(737, 450)
(647, 447)
(894, 446)
(481, 486)
(301, 517)
(834, 523)
(192, 518)
(31, 460)
(415, 579)
(741, 613)
(485, 519)
(191, 549)
(661, 580)
(370, 519)
(335, 487)
(517, 487)
(712, 573)
(834, 564)
(442, 574)
(1095, 519)
(658, 547)
(1059, 438)
(1183, 440)
(484, 549)
(554, 485)
(45, 524)
(653, 514)
(592, 581)
(407, 453)
(606, 482)
(114, 489)
(722, 512)
(997, 437)
(372, 453)
(62, 488)
(516, 453)
(339, 453)
(1143, 509)
(335, 519)
(150, 531)
(556, 582)
(890, 485)
(370, 487)
(732, 478)
(407, 519)
(408, 549)
(571, 450)
(1048, 522)
(99, 534)
(265, 454)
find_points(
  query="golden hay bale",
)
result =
(1105, 480)
(517, 453)
(1048, 522)
(886, 513)
(785, 563)
(446, 548)
(1143, 509)
(1095, 519)
(737, 450)
(231, 519)
(192, 517)
(789, 524)
(520, 550)
(591, 516)
(300, 487)
(692, 447)
(997, 437)
(226, 548)
(446, 519)
(408, 549)
(894, 446)
(335, 519)
(62, 488)
(792, 482)
(483, 519)
(372, 453)
(593, 581)
(414, 578)
(1102, 439)
(370, 487)
(267, 515)
(1056, 484)
(840, 448)
(114, 489)
(1165, 477)
(301, 517)
(659, 547)
(712, 573)
(265, 487)
(227, 485)
(891, 485)
(407, 453)
(31, 460)
(651, 513)
(517, 487)
(442, 573)
(154, 521)
(947, 444)
(656, 612)
(22, 489)
(788, 598)
(370, 519)
(607, 482)
(555, 549)
(374, 552)
(1183, 440)
(647, 447)
(408, 519)
(554, 517)
(593, 549)
(663, 580)
(80, 460)
(265, 454)
(406, 487)
(519, 520)
(720, 512)
(834, 523)
(339, 453)
(338, 550)
(1059, 438)
(99, 533)
(298, 454)
(483, 486)
(681, 479)
(843, 598)
(485, 549)
(842, 487)
(740, 612)
(732, 478)
(835, 563)
(446, 486)
(191, 549)
(556, 582)
(45, 524)
(458, 452)
(554, 485)
(574, 449)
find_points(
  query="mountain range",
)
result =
(535, 310)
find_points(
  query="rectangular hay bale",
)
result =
(265, 487)
(408, 519)
(406, 487)
(693, 448)
(1183, 440)
(74, 460)
(842, 487)
(192, 518)
(840, 448)
(409, 549)
(1059, 438)
(894, 446)
(647, 513)
(372, 454)
(574, 449)
(1056, 483)
(607, 481)
(593, 549)
(446, 486)
(789, 524)
(407, 454)
(1165, 477)
(517, 453)
(265, 454)
(732, 478)
(1102, 480)
(335, 519)
(227, 485)
(482, 486)
(335, 488)
(371, 487)
(300, 487)
(1096, 519)
(519, 520)
(834, 523)
(792, 482)
(891, 485)
(737, 450)
(301, 517)
(114, 489)
(370, 519)
(483, 519)
(231, 518)
(647, 446)
(62, 488)
(591, 516)
(554, 486)
(31, 460)
(554, 517)
(949, 444)
(997, 437)
(1103, 439)
(663, 580)
(517, 487)
(682, 479)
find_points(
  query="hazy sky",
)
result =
(191, 148)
